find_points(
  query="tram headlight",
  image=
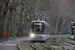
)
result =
(42, 35)
(32, 35)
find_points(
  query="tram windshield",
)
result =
(38, 29)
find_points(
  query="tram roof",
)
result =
(40, 21)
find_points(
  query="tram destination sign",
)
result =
(37, 23)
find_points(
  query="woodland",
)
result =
(16, 16)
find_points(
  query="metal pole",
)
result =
(41, 17)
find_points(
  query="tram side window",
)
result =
(45, 30)
(48, 30)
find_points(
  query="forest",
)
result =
(16, 16)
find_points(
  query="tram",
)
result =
(39, 31)
(73, 30)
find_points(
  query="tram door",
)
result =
(73, 29)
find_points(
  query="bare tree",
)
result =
(3, 18)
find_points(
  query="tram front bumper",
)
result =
(38, 39)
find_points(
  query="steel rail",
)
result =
(54, 43)
(66, 43)
(32, 45)
(46, 46)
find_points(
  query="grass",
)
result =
(38, 45)
(67, 39)
(58, 40)
(25, 45)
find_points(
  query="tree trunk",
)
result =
(56, 26)
(62, 25)
(19, 31)
(9, 22)
(51, 25)
(2, 22)
(24, 26)
(14, 26)
(2, 25)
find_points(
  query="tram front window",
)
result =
(38, 30)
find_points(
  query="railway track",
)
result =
(70, 46)
(32, 45)
(46, 46)
(67, 44)
(54, 43)
(67, 47)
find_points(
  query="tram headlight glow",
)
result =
(32, 35)
(42, 35)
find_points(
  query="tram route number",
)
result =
(37, 23)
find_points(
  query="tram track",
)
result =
(42, 44)
(32, 45)
(63, 45)
(67, 47)
(67, 44)
(54, 43)
(46, 46)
